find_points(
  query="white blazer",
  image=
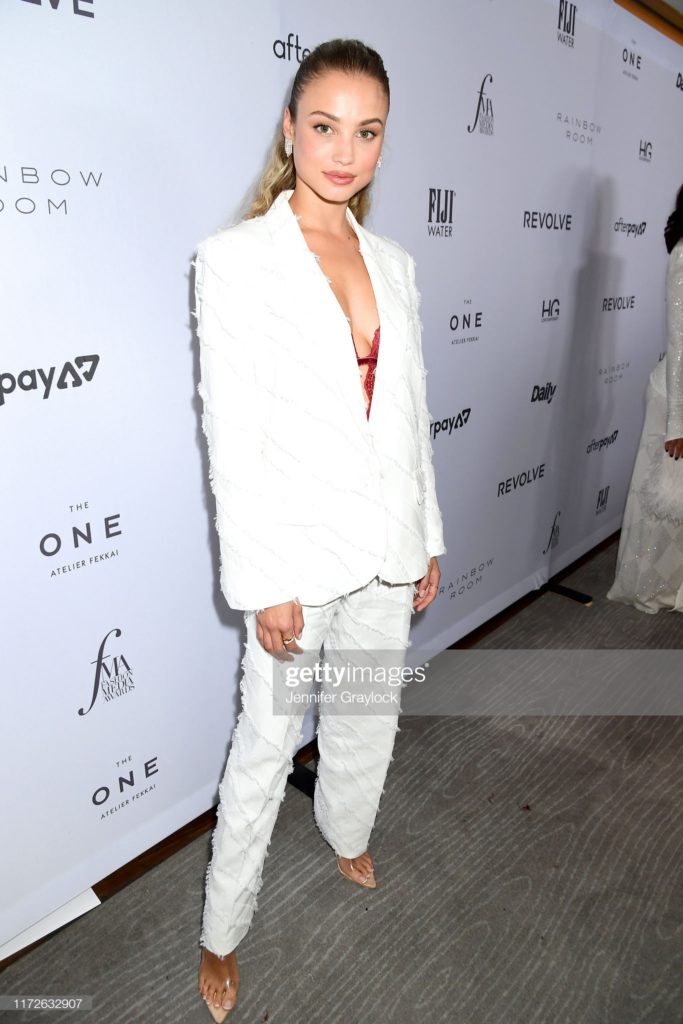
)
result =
(313, 500)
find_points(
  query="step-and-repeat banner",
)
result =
(532, 157)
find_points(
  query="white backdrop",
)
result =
(132, 131)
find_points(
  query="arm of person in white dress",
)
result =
(674, 353)
(253, 572)
(432, 513)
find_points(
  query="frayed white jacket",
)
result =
(313, 500)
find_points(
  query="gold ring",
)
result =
(288, 640)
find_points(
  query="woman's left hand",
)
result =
(428, 586)
(674, 447)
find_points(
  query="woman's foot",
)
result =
(214, 974)
(358, 869)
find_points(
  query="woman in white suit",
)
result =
(315, 415)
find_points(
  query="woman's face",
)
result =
(338, 134)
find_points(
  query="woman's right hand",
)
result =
(674, 447)
(278, 623)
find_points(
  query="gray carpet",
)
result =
(529, 871)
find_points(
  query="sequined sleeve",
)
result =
(674, 353)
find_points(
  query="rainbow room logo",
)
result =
(34, 192)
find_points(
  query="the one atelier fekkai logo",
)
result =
(440, 219)
(566, 23)
(113, 675)
(484, 114)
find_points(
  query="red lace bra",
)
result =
(371, 360)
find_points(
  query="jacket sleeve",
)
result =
(253, 574)
(432, 514)
(674, 353)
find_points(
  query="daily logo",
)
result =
(440, 219)
(484, 113)
(113, 675)
(566, 23)
(615, 302)
(450, 423)
(41, 380)
(283, 49)
(543, 392)
(539, 220)
(550, 310)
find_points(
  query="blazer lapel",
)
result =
(310, 290)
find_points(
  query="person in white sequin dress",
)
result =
(649, 572)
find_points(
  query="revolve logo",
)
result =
(615, 302)
(527, 476)
(39, 182)
(283, 49)
(113, 675)
(566, 23)
(440, 218)
(42, 380)
(484, 112)
(539, 220)
(75, 6)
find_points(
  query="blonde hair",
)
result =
(350, 56)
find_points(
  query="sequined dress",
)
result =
(650, 558)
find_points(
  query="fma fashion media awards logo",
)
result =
(483, 116)
(36, 191)
(112, 676)
(566, 23)
(554, 538)
(440, 212)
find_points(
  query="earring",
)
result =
(379, 161)
(289, 146)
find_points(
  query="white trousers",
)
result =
(355, 748)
